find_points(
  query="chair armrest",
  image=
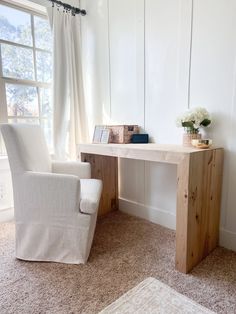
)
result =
(91, 190)
(79, 169)
(49, 194)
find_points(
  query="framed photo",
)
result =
(101, 134)
(97, 133)
(105, 136)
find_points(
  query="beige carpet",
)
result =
(126, 251)
(154, 297)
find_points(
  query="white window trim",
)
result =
(27, 6)
(34, 83)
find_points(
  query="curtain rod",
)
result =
(68, 7)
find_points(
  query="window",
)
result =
(25, 68)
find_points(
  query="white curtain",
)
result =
(70, 120)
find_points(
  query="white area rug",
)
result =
(152, 296)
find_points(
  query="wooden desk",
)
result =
(199, 180)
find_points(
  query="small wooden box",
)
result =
(121, 134)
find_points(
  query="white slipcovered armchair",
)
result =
(55, 203)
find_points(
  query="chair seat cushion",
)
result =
(90, 195)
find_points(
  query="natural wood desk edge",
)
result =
(172, 154)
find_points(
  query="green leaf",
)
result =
(205, 122)
(187, 124)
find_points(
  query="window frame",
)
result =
(23, 82)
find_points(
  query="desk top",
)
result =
(150, 152)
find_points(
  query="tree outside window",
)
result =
(25, 68)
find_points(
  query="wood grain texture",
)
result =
(105, 168)
(172, 154)
(182, 207)
(199, 181)
(198, 207)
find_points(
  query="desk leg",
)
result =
(105, 168)
(198, 207)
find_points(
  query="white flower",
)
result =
(179, 122)
(194, 116)
(196, 125)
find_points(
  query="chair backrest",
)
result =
(26, 148)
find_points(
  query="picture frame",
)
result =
(101, 134)
(97, 134)
(105, 136)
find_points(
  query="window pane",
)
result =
(43, 35)
(22, 100)
(45, 102)
(17, 62)
(44, 66)
(15, 26)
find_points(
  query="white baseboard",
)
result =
(168, 220)
(228, 239)
(152, 214)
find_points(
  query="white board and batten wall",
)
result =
(146, 62)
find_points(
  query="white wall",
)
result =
(146, 61)
(213, 83)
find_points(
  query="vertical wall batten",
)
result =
(109, 52)
(190, 55)
(159, 58)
